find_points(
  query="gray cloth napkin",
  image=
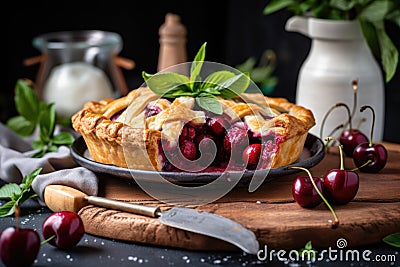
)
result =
(58, 167)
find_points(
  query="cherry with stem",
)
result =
(350, 138)
(335, 222)
(340, 185)
(367, 156)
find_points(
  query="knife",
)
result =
(60, 197)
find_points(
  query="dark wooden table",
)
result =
(96, 250)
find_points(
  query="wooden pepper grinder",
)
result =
(172, 44)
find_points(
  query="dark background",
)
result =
(235, 30)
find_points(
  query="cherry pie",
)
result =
(145, 131)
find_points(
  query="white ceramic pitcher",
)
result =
(338, 55)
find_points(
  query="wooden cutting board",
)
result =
(269, 212)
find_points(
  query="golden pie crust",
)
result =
(134, 140)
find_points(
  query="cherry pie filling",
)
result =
(215, 146)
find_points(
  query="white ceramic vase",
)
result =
(338, 55)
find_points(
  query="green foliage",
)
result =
(224, 84)
(17, 194)
(372, 15)
(261, 73)
(393, 240)
(34, 114)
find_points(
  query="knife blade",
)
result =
(60, 197)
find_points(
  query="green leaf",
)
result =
(37, 144)
(369, 33)
(197, 64)
(234, 86)
(20, 195)
(389, 53)
(394, 16)
(47, 118)
(52, 148)
(248, 65)
(376, 11)
(7, 209)
(7, 190)
(344, 5)
(28, 179)
(276, 5)
(146, 75)
(21, 126)
(393, 239)
(163, 83)
(308, 251)
(26, 101)
(40, 153)
(217, 78)
(211, 90)
(210, 103)
(63, 138)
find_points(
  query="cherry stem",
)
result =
(17, 212)
(333, 131)
(365, 164)
(355, 89)
(47, 240)
(340, 126)
(336, 221)
(373, 121)
(329, 138)
(348, 113)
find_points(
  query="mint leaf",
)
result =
(234, 86)
(7, 209)
(63, 138)
(20, 195)
(28, 179)
(21, 125)
(217, 77)
(7, 190)
(163, 83)
(33, 113)
(47, 118)
(197, 64)
(26, 101)
(393, 239)
(222, 83)
(210, 103)
(308, 252)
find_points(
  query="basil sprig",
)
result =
(225, 84)
(17, 194)
(34, 113)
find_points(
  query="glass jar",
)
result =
(77, 67)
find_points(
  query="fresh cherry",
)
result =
(306, 196)
(369, 157)
(340, 185)
(63, 229)
(251, 155)
(304, 192)
(19, 247)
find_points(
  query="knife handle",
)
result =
(149, 211)
(61, 197)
